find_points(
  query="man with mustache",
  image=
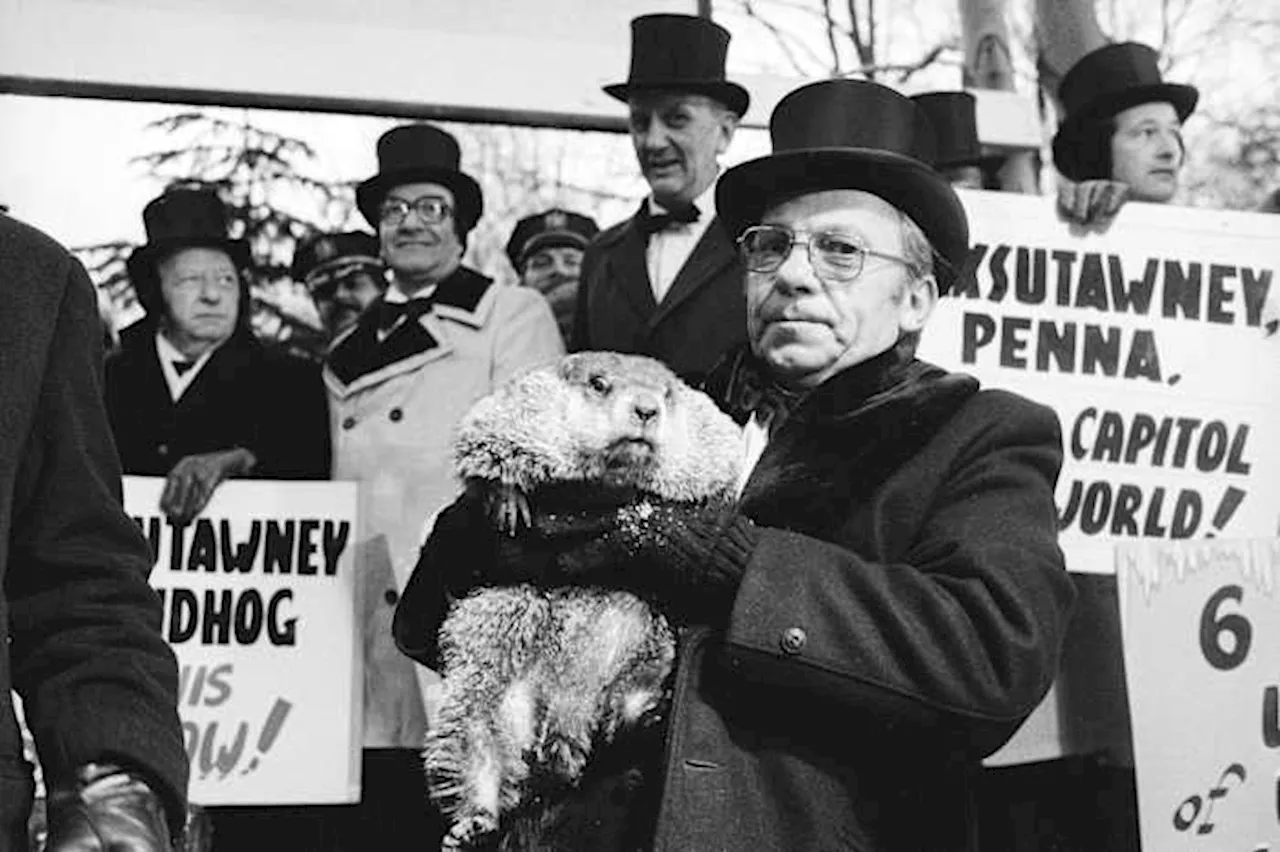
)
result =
(666, 282)
(343, 274)
(546, 251)
(1121, 137)
(441, 337)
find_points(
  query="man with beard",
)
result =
(343, 274)
(441, 337)
(546, 251)
(667, 281)
(1121, 137)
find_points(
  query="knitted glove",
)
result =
(106, 808)
(464, 552)
(685, 558)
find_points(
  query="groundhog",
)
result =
(534, 678)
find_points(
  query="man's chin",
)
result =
(792, 364)
(667, 185)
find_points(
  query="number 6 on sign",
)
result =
(1212, 626)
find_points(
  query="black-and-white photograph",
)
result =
(639, 426)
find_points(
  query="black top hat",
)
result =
(554, 227)
(420, 153)
(954, 116)
(681, 53)
(851, 134)
(320, 254)
(1107, 81)
(184, 217)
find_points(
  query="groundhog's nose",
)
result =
(645, 409)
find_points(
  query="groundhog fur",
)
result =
(534, 679)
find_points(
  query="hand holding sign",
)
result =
(190, 484)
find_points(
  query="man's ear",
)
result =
(917, 303)
(728, 126)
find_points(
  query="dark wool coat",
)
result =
(96, 679)
(900, 613)
(268, 402)
(702, 316)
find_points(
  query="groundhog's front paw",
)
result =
(563, 757)
(508, 508)
(467, 832)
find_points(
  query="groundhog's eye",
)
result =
(599, 384)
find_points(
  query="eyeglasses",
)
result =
(430, 209)
(834, 257)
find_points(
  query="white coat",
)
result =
(393, 408)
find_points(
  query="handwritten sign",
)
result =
(1202, 659)
(259, 607)
(1155, 341)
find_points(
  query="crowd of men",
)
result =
(881, 609)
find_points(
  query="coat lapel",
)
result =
(359, 361)
(713, 253)
(629, 271)
(830, 455)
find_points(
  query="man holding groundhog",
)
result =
(884, 605)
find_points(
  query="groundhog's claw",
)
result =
(467, 832)
(508, 508)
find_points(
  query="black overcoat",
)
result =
(701, 317)
(264, 400)
(96, 679)
(901, 612)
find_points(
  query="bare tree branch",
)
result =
(905, 72)
(829, 27)
(787, 43)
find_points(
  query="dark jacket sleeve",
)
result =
(960, 638)
(97, 679)
(463, 552)
(460, 536)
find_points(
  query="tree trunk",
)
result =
(988, 64)
(1065, 31)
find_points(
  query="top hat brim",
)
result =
(142, 261)
(1181, 96)
(735, 98)
(982, 161)
(745, 191)
(466, 192)
(141, 264)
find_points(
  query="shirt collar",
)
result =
(169, 353)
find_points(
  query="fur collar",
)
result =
(840, 442)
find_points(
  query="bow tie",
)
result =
(181, 367)
(652, 223)
(752, 392)
(389, 313)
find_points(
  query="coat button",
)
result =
(163, 449)
(793, 640)
(390, 597)
(396, 415)
(348, 423)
